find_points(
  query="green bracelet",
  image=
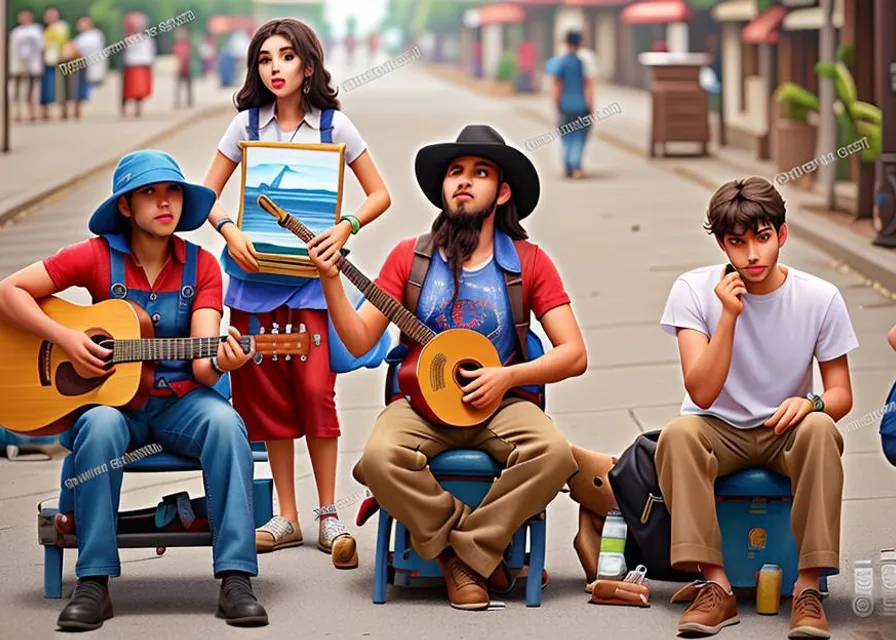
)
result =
(354, 222)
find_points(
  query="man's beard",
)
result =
(456, 232)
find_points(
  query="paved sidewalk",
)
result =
(47, 157)
(629, 130)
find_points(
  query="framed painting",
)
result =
(303, 179)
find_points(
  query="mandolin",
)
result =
(429, 376)
(42, 394)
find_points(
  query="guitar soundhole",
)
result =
(70, 383)
(465, 365)
(437, 372)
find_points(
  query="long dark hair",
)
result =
(309, 49)
(458, 234)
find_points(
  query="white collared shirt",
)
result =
(308, 132)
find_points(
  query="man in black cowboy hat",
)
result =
(472, 270)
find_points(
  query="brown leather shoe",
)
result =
(502, 579)
(466, 588)
(807, 619)
(711, 610)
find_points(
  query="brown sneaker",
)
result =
(712, 609)
(807, 619)
(466, 588)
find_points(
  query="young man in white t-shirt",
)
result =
(747, 340)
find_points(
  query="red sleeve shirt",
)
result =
(396, 269)
(87, 265)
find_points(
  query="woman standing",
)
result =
(287, 97)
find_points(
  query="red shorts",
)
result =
(287, 399)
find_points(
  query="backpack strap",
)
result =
(422, 258)
(514, 283)
(326, 126)
(253, 123)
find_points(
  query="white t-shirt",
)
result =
(26, 46)
(344, 132)
(92, 42)
(775, 339)
(141, 53)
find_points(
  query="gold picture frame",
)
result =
(313, 175)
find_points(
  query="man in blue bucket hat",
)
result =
(138, 257)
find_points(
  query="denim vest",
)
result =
(170, 312)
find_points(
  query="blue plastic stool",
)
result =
(468, 475)
(753, 508)
(54, 544)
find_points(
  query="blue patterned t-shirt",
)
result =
(482, 303)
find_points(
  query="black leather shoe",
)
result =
(90, 606)
(237, 603)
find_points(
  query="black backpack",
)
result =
(637, 491)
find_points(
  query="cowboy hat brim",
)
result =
(198, 203)
(517, 170)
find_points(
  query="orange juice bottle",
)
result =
(768, 590)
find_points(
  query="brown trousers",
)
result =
(538, 461)
(695, 450)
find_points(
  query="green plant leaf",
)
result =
(846, 53)
(865, 111)
(799, 101)
(875, 140)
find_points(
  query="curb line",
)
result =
(25, 207)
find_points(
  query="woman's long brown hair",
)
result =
(310, 51)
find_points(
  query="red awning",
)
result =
(656, 12)
(501, 14)
(765, 28)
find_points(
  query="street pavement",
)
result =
(619, 240)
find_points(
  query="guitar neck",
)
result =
(393, 310)
(170, 348)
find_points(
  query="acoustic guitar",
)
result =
(42, 394)
(430, 375)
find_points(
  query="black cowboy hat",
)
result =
(483, 141)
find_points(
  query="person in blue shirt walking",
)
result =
(573, 91)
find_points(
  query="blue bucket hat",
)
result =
(145, 167)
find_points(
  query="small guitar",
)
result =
(430, 374)
(42, 394)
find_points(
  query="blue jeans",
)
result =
(201, 425)
(573, 142)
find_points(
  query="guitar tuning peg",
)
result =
(261, 331)
(289, 328)
(258, 358)
(287, 357)
(275, 328)
(302, 327)
(274, 358)
(303, 358)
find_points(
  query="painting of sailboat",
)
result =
(303, 179)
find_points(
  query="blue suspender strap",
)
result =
(117, 287)
(254, 324)
(253, 123)
(326, 126)
(188, 282)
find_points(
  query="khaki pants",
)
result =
(695, 450)
(538, 462)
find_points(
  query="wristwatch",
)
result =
(817, 402)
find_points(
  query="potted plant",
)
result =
(858, 126)
(796, 136)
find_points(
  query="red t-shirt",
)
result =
(87, 265)
(542, 287)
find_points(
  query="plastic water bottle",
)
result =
(611, 560)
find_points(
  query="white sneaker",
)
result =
(334, 538)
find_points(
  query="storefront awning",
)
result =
(494, 14)
(766, 29)
(656, 12)
(735, 11)
(812, 18)
(596, 3)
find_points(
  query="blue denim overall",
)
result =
(200, 425)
